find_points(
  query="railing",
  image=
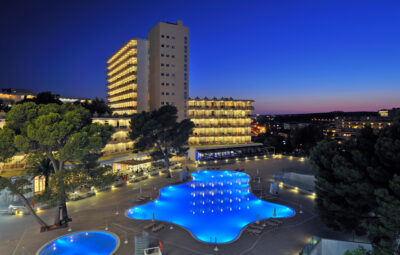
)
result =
(299, 185)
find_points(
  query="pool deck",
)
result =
(21, 233)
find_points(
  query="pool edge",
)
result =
(91, 230)
(194, 237)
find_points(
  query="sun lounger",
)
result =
(148, 226)
(276, 221)
(141, 199)
(270, 223)
(256, 226)
(158, 227)
(254, 231)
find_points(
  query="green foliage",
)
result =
(160, 132)
(358, 185)
(273, 140)
(300, 140)
(359, 251)
(97, 106)
(63, 132)
(40, 165)
(304, 139)
(4, 107)
(56, 133)
(43, 98)
(7, 148)
(16, 186)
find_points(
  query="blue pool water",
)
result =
(88, 243)
(214, 207)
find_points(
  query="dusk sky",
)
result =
(289, 56)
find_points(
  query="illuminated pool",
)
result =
(214, 207)
(89, 242)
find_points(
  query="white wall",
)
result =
(335, 247)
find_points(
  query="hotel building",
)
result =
(128, 78)
(220, 121)
(222, 129)
(169, 66)
(120, 140)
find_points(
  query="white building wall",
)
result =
(142, 75)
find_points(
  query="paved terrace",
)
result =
(20, 234)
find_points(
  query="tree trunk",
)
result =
(32, 212)
(62, 207)
(46, 182)
(61, 217)
(167, 165)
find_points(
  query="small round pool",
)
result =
(86, 242)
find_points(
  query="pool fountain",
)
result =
(214, 207)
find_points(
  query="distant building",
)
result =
(346, 127)
(292, 126)
(128, 78)
(73, 100)
(11, 96)
(169, 66)
(386, 113)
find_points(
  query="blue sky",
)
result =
(289, 56)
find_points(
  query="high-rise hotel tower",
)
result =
(169, 66)
(128, 78)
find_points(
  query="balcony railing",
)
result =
(122, 93)
(122, 85)
(121, 78)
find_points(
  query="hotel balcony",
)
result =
(221, 125)
(122, 59)
(121, 101)
(121, 79)
(126, 70)
(198, 116)
(125, 92)
(221, 107)
(133, 82)
(221, 134)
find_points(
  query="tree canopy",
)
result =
(3, 106)
(45, 97)
(59, 133)
(97, 107)
(358, 185)
(160, 132)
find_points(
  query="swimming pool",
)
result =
(215, 206)
(87, 242)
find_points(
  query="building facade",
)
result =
(127, 72)
(11, 96)
(169, 66)
(220, 121)
(346, 127)
(120, 141)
